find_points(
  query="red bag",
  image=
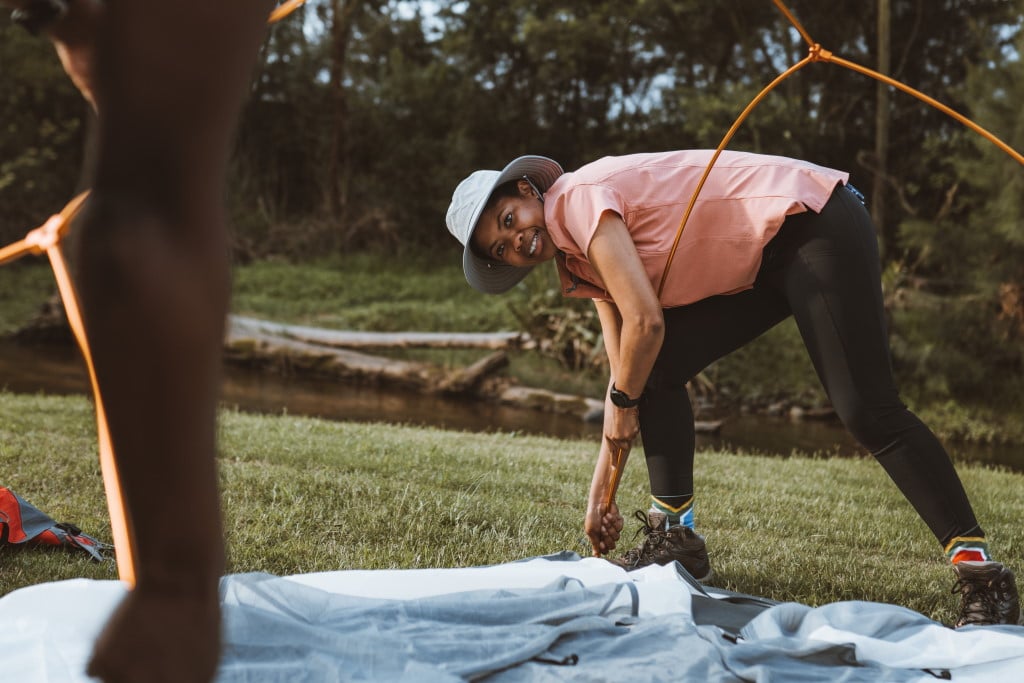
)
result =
(23, 523)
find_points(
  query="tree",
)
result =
(972, 251)
(42, 133)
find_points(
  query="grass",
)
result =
(303, 495)
(366, 291)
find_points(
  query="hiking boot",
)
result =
(661, 546)
(988, 594)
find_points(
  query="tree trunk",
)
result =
(343, 17)
(878, 198)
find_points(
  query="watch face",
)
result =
(622, 400)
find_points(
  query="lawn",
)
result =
(303, 495)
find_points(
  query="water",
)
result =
(56, 369)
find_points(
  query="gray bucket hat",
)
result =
(468, 203)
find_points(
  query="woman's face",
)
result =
(513, 231)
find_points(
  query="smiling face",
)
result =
(512, 230)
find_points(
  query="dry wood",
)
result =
(255, 347)
(470, 379)
(350, 339)
(262, 343)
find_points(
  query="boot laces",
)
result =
(980, 601)
(654, 539)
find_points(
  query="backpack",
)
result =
(23, 524)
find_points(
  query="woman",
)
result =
(768, 237)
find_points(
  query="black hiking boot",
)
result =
(661, 546)
(988, 594)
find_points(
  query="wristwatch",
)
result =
(621, 399)
(38, 15)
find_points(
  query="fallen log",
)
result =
(295, 349)
(266, 344)
(354, 340)
(549, 401)
(245, 346)
(470, 379)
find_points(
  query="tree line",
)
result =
(364, 114)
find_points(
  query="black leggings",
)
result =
(823, 269)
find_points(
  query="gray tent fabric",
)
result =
(301, 633)
(288, 632)
(553, 619)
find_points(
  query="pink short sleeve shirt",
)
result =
(740, 208)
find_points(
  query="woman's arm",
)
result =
(633, 329)
(603, 522)
(641, 325)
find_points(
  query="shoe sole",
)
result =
(701, 579)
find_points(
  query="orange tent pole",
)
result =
(818, 54)
(120, 526)
(47, 239)
(284, 9)
(618, 462)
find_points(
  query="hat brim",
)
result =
(496, 278)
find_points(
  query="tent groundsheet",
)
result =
(555, 618)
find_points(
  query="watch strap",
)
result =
(621, 399)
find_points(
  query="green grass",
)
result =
(304, 495)
(367, 291)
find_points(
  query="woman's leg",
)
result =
(695, 336)
(828, 268)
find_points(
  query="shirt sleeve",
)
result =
(582, 208)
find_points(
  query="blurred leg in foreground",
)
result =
(167, 80)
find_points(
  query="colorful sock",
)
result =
(969, 548)
(678, 510)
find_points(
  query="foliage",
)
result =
(365, 113)
(24, 288)
(472, 85)
(964, 272)
(566, 330)
(42, 120)
(958, 424)
(773, 369)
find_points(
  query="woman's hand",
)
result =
(603, 525)
(603, 522)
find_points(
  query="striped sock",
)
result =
(678, 510)
(968, 548)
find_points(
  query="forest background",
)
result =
(364, 115)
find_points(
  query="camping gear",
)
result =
(556, 618)
(23, 524)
